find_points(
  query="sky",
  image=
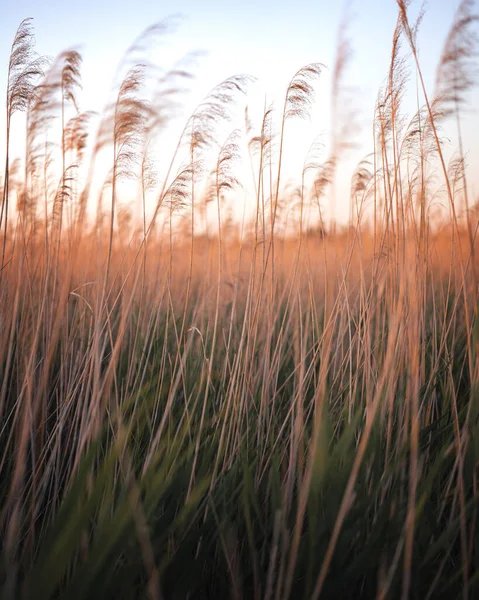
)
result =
(268, 39)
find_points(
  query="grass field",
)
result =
(246, 408)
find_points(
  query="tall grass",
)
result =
(199, 406)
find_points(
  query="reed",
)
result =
(196, 404)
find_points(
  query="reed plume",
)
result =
(24, 68)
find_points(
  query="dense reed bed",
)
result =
(199, 405)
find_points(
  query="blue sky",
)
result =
(260, 37)
(268, 39)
